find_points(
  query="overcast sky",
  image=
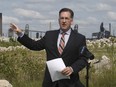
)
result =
(40, 13)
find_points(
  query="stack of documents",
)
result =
(55, 67)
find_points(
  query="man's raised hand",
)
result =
(15, 28)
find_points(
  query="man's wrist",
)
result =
(71, 69)
(20, 34)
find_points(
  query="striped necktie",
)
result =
(62, 43)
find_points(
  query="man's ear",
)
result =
(58, 20)
(72, 22)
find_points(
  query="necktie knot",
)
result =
(63, 34)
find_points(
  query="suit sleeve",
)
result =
(81, 61)
(32, 44)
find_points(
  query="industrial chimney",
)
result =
(0, 24)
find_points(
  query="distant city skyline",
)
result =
(40, 13)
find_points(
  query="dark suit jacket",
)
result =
(70, 55)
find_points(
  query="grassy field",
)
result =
(25, 68)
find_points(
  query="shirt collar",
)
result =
(68, 32)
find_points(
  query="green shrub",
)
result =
(22, 65)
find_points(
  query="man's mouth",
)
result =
(63, 24)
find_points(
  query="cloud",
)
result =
(47, 21)
(35, 1)
(28, 13)
(87, 21)
(92, 19)
(112, 15)
(7, 20)
(102, 7)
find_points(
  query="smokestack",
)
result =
(0, 24)
(110, 28)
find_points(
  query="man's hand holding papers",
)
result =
(58, 70)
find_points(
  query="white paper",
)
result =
(55, 67)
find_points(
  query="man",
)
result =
(70, 55)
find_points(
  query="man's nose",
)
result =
(64, 20)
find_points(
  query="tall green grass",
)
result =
(11, 42)
(106, 77)
(25, 68)
(22, 67)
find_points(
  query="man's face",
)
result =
(65, 20)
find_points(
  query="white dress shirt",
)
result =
(66, 36)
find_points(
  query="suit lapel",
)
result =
(55, 41)
(70, 40)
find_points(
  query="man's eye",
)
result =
(64, 18)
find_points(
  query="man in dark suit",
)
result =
(70, 55)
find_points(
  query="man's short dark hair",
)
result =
(67, 10)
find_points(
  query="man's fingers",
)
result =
(67, 71)
(13, 26)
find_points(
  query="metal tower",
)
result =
(27, 29)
